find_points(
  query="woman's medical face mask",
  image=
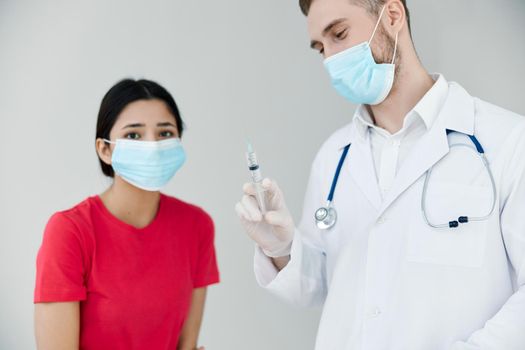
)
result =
(148, 165)
(357, 77)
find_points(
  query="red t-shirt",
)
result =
(135, 285)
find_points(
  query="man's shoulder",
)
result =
(496, 124)
(492, 115)
(501, 132)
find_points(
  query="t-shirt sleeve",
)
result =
(60, 269)
(206, 270)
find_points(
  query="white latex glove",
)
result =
(274, 231)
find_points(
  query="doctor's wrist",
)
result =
(281, 262)
(278, 253)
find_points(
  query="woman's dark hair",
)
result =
(122, 94)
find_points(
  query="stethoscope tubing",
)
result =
(328, 221)
(469, 218)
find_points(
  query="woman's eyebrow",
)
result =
(140, 125)
(134, 125)
(166, 124)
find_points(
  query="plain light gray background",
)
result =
(237, 68)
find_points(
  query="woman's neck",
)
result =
(130, 204)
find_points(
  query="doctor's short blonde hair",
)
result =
(372, 6)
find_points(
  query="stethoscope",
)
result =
(326, 217)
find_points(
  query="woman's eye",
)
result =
(166, 134)
(133, 136)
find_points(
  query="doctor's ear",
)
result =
(395, 17)
(103, 151)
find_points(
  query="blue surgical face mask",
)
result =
(357, 77)
(148, 165)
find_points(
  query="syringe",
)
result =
(256, 176)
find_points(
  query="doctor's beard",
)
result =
(386, 48)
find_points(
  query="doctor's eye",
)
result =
(166, 133)
(341, 34)
(132, 136)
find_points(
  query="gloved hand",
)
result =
(274, 231)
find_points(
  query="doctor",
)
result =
(413, 230)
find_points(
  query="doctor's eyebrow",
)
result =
(328, 28)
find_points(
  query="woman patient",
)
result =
(128, 268)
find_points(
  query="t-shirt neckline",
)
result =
(105, 211)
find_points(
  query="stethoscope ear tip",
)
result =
(460, 220)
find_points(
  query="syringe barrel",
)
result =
(259, 195)
(255, 173)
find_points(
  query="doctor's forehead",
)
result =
(323, 12)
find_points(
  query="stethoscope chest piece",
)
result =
(325, 217)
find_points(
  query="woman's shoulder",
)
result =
(70, 230)
(74, 217)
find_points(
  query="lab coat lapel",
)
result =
(362, 170)
(426, 152)
(456, 114)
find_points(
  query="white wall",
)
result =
(237, 69)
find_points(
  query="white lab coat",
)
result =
(388, 281)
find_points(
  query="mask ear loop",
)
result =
(377, 24)
(108, 141)
(395, 49)
(374, 33)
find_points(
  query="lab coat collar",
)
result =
(427, 109)
(429, 106)
(458, 110)
(456, 113)
(449, 99)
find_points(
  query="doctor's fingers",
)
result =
(243, 215)
(274, 195)
(279, 218)
(248, 189)
(251, 208)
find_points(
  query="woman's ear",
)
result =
(103, 150)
